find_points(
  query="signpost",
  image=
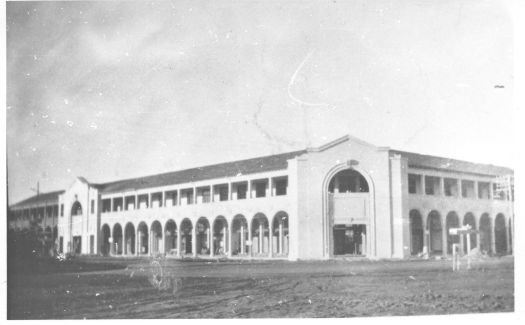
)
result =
(465, 231)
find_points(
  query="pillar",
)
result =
(250, 247)
(225, 239)
(507, 233)
(243, 240)
(493, 235)
(444, 233)
(261, 240)
(230, 230)
(211, 244)
(281, 237)
(179, 241)
(270, 240)
(194, 240)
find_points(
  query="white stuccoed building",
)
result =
(345, 198)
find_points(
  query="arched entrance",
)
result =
(470, 220)
(203, 236)
(220, 236)
(348, 206)
(143, 238)
(260, 234)
(129, 239)
(156, 237)
(239, 235)
(435, 232)
(452, 221)
(170, 235)
(485, 233)
(106, 234)
(117, 240)
(280, 240)
(416, 232)
(186, 229)
(500, 233)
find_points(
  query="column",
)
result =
(444, 232)
(249, 194)
(250, 247)
(225, 239)
(261, 241)
(424, 186)
(493, 235)
(243, 240)
(441, 186)
(270, 240)
(138, 245)
(460, 189)
(507, 233)
(194, 240)
(491, 190)
(179, 246)
(281, 238)
(476, 190)
(211, 244)
(230, 192)
(230, 229)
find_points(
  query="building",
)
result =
(345, 198)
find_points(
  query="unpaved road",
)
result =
(139, 288)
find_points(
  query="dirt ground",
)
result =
(159, 288)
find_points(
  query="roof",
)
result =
(416, 160)
(228, 169)
(39, 200)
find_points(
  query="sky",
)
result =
(114, 90)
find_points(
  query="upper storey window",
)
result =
(451, 187)
(414, 184)
(106, 205)
(76, 209)
(348, 181)
(467, 189)
(281, 186)
(432, 185)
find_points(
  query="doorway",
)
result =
(349, 240)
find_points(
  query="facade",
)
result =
(345, 198)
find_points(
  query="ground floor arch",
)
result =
(143, 239)
(117, 241)
(260, 234)
(500, 234)
(186, 234)
(452, 221)
(485, 233)
(170, 237)
(202, 236)
(129, 239)
(470, 220)
(280, 234)
(435, 233)
(156, 237)
(416, 232)
(105, 244)
(220, 236)
(239, 235)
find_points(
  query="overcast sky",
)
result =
(116, 90)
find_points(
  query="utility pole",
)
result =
(37, 190)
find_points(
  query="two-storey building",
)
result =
(345, 198)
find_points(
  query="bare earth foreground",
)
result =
(148, 288)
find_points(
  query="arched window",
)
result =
(76, 209)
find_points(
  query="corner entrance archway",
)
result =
(117, 239)
(348, 208)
